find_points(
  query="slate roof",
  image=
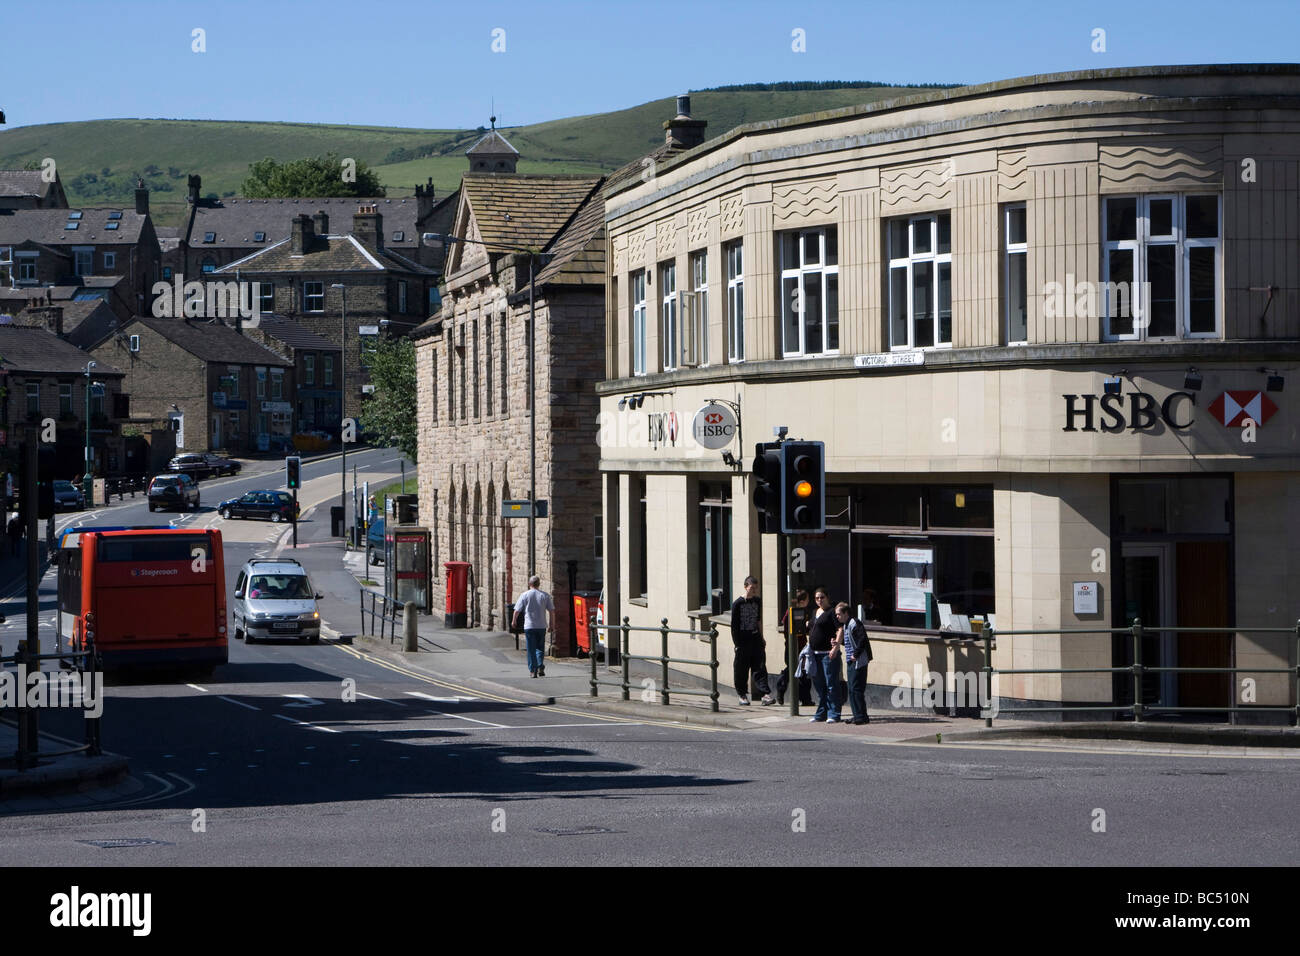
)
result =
(326, 254)
(18, 183)
(31, 349)
(236, 222)
(294, 334)
(211, 341)
(86, 324)
(520, 210)
(491, 143)
(47, 226)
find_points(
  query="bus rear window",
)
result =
(166, 547)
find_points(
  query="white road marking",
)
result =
(440, 700)
(473, 720)
(303, 723)
(237, 703)
(395, 703)
(198, 688)
(542, 726)
(302, 700)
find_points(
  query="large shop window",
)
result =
(928, 544)
(810, 292)
(920, 282)
(1160, 267)
(714, 546)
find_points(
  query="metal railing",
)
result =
(389, 614)
(1137, 669)
(626, 657)
(123, 485)
(28, 752)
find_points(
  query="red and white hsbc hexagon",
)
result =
(1233, 408)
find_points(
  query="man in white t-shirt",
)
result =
(538, 613)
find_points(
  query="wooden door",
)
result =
(1202, 600)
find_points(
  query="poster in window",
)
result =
(913, 578)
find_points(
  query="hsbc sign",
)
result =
(1085, 413)
(714, 426)
(1231, 409)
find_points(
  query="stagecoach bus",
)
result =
(149, 597)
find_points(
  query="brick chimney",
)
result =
(141, 198)
(368, 225)
(423, 200)
(195, 187)
(682, 132)
(302, 235)
(322, 223)
(48, 316)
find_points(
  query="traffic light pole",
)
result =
(791, 651)
(31, 498)
(295, 518)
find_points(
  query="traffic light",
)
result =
(292, 466)
(803, 487)
(766, 493)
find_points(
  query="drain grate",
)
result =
(124, 843)
(575, 831)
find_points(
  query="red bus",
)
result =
(149, 597)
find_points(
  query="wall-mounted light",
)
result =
(1111, 386)
(1274, 382)
(1192, 380)
(622, 403)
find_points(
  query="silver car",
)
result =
(274, 598)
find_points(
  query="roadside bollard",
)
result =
(410, 637)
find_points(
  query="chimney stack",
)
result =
(302, 235)
(682, 132)
(195, 185)
(322, 223)
(368, 225)
(423, 200)
(49, 316)
(141, 198)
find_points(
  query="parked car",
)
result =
(196, 466)
(173, 491)
(375, 541)
(273, 505)
(68, 497)
(275, 598)
(220, 465)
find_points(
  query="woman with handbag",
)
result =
(824, 642)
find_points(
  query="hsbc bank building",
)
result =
(1044, 328)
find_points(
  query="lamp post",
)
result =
(88, 480)
(343, 403)
(533, 256)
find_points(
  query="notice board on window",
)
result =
(913, 578)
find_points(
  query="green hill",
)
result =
(99, 160)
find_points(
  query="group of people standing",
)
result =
(830, 637)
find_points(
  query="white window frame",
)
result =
(735, 301)
(804, 271)
(327, 370)
(695, 305)
(266, 297)
(86, 255)
(277, 384)
(669, 317)
(25, 266)
(1143, 241)
(639, 317)
(1010, 250)
(6, 255)
(110, 260)
(261, 383)
(909, 262)
(308, 295)
(309, 369)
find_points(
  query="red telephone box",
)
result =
(457, 593)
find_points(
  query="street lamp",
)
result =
(533, 256)
(87, 480)
(343, 402)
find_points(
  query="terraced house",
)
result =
(1043, 327)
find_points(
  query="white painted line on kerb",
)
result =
(303, 723)
(198, 688)
(237, 703)
(395, 703)
(473, 720)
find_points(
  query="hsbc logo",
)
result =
(1231, 409)
(713, 418)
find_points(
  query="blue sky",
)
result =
(429, 64)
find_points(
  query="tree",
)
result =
(391, 411)
(314, 176)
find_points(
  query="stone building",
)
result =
(387, 294)
(1042, 326)
(316, 363)
(31, 189)
(224, 390)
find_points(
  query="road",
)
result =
(299, 754)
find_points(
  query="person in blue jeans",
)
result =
(538, 613)
(857, 653)
(824, 642)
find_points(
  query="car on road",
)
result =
(220, 465)
(196, 466)
(272, 505)
(68, 497)
(275, 598)
(173, 491)
(375, 541)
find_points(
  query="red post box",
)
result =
(584, 615)
(457, 593)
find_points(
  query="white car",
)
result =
(274, 598)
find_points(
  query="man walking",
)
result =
(538, 617)
(857, 654)
(751, 649)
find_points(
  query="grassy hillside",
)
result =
(98, 161)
